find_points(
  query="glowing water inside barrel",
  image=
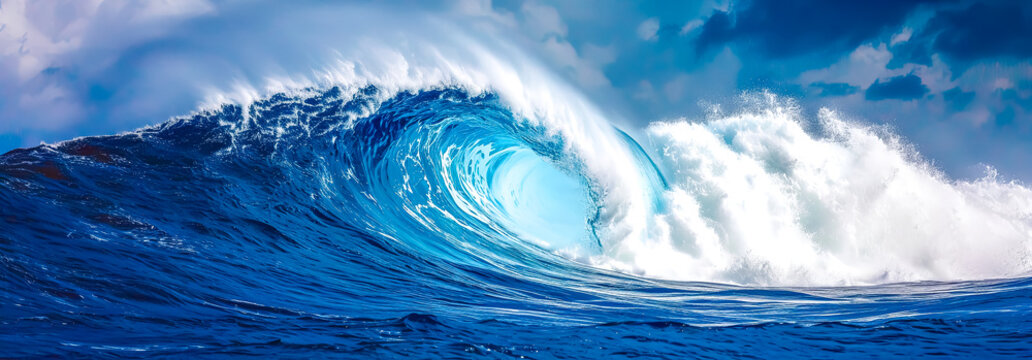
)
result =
(542, 202)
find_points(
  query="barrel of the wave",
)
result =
(462, 178)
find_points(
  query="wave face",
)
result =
(439, 222)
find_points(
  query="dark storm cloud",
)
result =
(992, 31)
(834, 89)
(903, 87)
(984, 30)
(718, 29)
(915, 51)
(788, 28)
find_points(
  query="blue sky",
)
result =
(953, 77)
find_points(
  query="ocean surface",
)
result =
(440, 222)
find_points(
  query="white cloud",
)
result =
(540, 28)
(648, 30)
(690, 26)
(902, 37)
(1003, 83)
(721, 5)
(645, 91)
(548, 33)
(542, 20)
(862, 67)
(484, 9)
(937, 78)
(162, 9)
(599, 55)
(976, 117)
(563, 53)
(41, 37)
(868, 63)
(58, 105)
(36, 33)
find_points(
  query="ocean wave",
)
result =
(447, 204)
(746, 198)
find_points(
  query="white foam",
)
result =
(755, 199)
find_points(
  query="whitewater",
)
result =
(449, 198)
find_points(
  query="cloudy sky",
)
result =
(954, 78)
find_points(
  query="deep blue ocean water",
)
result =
(328, 225)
